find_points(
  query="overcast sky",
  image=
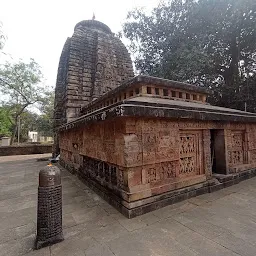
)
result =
(38, 28)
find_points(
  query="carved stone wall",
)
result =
(142, 157)
(138, 158)
(250, 138)
(160, 157)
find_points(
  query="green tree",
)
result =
(28, 122)
(21, 84)
(45, 120)
(206, 42)
(5, 122)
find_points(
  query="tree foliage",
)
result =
(21, 85)
(206, 42)
(5, 122)
(31, 121)
(45, 120)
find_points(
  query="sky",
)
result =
(38, 28)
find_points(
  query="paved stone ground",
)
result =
(221, 223)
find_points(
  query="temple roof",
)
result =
(152, 80)
(151, 97)
(145, 107)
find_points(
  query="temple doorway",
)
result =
(218, 155)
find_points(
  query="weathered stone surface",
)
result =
(93, 61)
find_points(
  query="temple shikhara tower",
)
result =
(93, 61)
(142, 142)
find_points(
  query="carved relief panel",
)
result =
(190, 153)
(159, 172)
(236, 148)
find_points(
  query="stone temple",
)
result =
(143, 142)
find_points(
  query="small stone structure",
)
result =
(5, 141)
(32, 136)
(151, 142)
(49, 209)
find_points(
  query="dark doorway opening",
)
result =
(218, 154)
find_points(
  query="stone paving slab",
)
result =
(220, 223)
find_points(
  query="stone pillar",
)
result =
(49, 209)
(207, 153)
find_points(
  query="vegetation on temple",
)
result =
(205, 42)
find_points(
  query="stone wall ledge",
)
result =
(25, 149)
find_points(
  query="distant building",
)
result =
(32, 136)
(47, 139)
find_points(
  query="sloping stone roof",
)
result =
(163, 108)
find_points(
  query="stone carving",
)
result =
(100, 71)
(159, 172)
(237, 140)
(187, 165)
(253, 156)
(120, 111)
(168, 170)
(189, 153)
(237, 157)
(152, 175)
(236, 148)
(187, 144)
